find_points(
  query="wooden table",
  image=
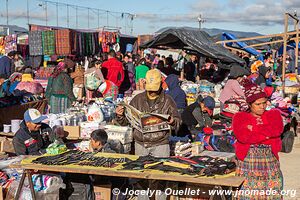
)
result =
(229, 180)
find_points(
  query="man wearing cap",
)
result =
(198, 115)
(32, 137)
(153, 100)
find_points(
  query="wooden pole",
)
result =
(258, 37)
(284, 50)
(296, 24)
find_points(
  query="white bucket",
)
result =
(15, 125)
(6, 128)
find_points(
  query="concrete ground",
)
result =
(290, 167)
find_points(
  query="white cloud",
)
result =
(261, 13)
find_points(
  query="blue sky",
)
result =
(149, 16)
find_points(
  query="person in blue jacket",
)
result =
(6, 64)
(174, 90)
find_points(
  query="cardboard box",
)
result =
(74, 131)
(1, 193)
(6, 145)
(102, 192)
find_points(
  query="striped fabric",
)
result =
(262, 172)
(63, 45)
(59, 104)
(43, 82)
(35, 43)
(48, 38)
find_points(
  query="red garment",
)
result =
(115, 71)
(271, 126)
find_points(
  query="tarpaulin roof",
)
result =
(194, 40)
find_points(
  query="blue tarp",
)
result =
(242, 45)
(290, 45)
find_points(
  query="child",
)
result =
(99, 142)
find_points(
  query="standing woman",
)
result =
(95, 68)
(59, 90)
(258, 143)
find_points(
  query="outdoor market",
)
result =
(97, 114)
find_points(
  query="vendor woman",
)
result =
(258, 143)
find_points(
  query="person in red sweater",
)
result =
(113, 69)
(257, 146)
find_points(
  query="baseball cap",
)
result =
(34, 116)
(153, 80)
(209, 103)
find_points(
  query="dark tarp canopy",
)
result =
(193, 40)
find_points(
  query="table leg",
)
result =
(31, 185)
(20, 185)
(213, 195)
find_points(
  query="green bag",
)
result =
(92, 82)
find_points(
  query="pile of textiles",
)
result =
(197, 165)
(19, 99)
(10, 43)
(223, 143)
(48, 40)
(79, 158)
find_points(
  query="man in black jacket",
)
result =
(32, 137)
(198, 115)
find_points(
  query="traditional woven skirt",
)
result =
(59, 104)
(263, 175)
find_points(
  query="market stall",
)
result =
(118, 165)
(17, 111)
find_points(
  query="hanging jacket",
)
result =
(177, 94)
(115, 71)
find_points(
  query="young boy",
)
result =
(99, 143)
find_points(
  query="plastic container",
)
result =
(6, 128)
(15, 125)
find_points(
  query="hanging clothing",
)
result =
(62, 41)
(48, 39)
(35, 43)
(10, 43)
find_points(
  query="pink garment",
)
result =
(232, 88)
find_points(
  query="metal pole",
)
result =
(76, 17)
(68, 20)
(284, 50)
(98, 18)
(131, 31)
(56, 13)
(28, 12)
(125, 24)
(46, 10)
(106, 18)
(6, 12)
(88, 17)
